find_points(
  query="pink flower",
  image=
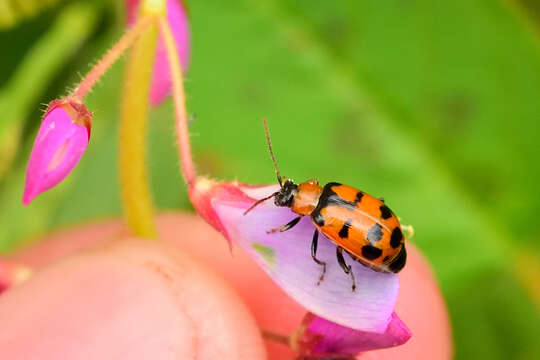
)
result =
(60, 143)
(320, 337)
(178, 21)
(344, 322)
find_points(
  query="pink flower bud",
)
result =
(60, 143)
(178, 21)
(320, 337)
(344, 322)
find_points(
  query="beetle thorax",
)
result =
(307, 197)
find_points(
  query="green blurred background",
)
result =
(433, 105)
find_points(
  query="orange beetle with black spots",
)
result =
(359, 224)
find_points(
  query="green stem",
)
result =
(136, 196)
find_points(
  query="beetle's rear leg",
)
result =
(314, 255)
(345, 267)
(285, 227)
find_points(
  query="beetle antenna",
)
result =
(259, 201)
(267, 133)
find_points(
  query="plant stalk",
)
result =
(111, 57)
(136, 198)
(184, 148)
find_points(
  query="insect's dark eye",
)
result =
(286, 194)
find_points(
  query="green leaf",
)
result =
(13, 11)
(464, 77)
(492, 318)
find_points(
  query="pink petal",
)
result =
(161, 79)
(61, 142)
(323, 337)
(286, 257)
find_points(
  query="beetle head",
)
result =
(285, 195)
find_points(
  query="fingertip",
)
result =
(132, 300)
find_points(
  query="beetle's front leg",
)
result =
(285, 227)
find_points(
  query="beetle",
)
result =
(359, 224)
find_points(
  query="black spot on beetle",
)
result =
(399, 262)
(330, 198)
(374, 233)
(395, 239)
(386, 213)
(371, 252)
(344, 232)
(386, 258)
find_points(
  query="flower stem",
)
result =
(136, 197)
(275, 337)
(184, 149)
(110, 57)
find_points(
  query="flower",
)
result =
(161, 76)
(366, 315)
(320, 337)
(60, 143)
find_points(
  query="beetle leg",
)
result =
(314, 255)
(285, 227)
(345, 267)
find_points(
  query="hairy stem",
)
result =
(110, 57)
(136, 196)
(184, 149)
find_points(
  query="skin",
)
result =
(181, 298)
